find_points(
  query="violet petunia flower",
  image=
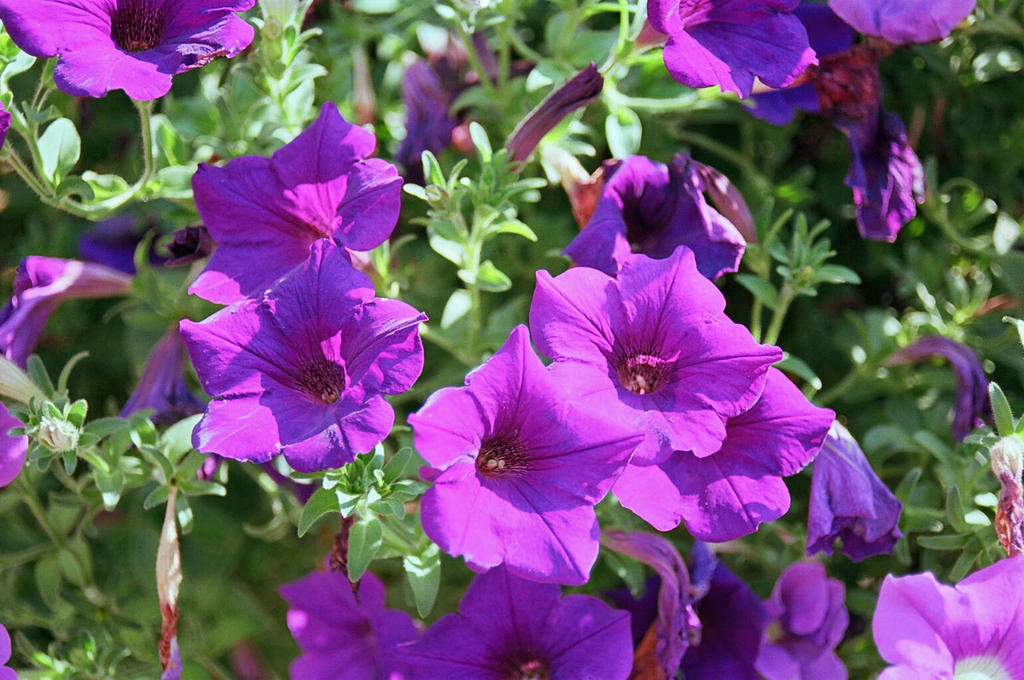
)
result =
(849, 502)
(112, 243)
(517, 469)
(41, 285)
(972, 403)
(302, 371)
(5, 655)
(730, 43)
(651, 349)
(342, 633)
(812, 617)
(270, 211)
(13, 448)
(731, 492)
(130, 45)
(429, 124)
(652, 208)
(906, 21)
(162, 384)
(188, 245)
(932, 631)
(508, 627)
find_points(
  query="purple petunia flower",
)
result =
(906, 21)
(5, 655)
(302, 370)
(162, 384)
(651, 348)
(188, 245)
(271, 210)
(731, 492)
(41, 285)
(516, 469)
(652, 208)
(972, 402)
(130, 45)
(508, 627)
(5, 123)
(730, 42)
(13, 449)
(428, 125)
(849, 502)
(809, 608)
(939, 632)
(342, 634)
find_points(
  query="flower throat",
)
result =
(137, 25)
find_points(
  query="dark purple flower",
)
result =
(5, 655)
(189, 245)
(162, 383)
(974, 629)
(41, 285)
(730, 42)
(12, 451)
(112, 243)
(809, 608)
(517, 470)
(341, 634)
(906, 21)
(266, 213)
(650, 208)
(5, 123)
(972, 403)
(303, 370)
(130, 45)
(578, 91)
(849, 502)
(651, 349)
(508, 627)
(428, 125)
(731, 492)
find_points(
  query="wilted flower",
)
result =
(970, 630)
(271, 211)
(5, 123)
(728, 43)
(343, 633)
(130, 45)
(517, 470)
(1007, 465)
(188, 245)
(652, 208)
(849, 502)
(162, 383)
(13, 449)
(508, 627)
(906, 21)
(303, 370)
(5, 655)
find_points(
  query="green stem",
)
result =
(27, 176)
(786, 297)
(840, 388)
(396, 536)
(474, 60)
(726, 152)
(755, 319)
(145, 110)
(28, 494)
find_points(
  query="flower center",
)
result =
(321, 379)
(137, 25)
(534, 669)
(502, 455)
(980, 668)
(642, 373)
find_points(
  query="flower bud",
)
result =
(57, 434)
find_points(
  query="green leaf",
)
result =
(77, 413)
(623, 130)
(198, 487)
(432, 169)
(481, 143)
(797, 366)
(1000, 410)
(488, 278)
(156, 497)
(105, 186)
(963, 564)
(456, 308)
(322, 502)
(110, 484)
(176, 440)
(948, 542)
(1005, 234)
(37, 372)
(48, 580)
(834, 273)
(364, 539)
(513, 227)
(955, 510)
(760, 289)
(59, 148)
(424, 574)
(1019, 324)
(396, 466)
(907, 485)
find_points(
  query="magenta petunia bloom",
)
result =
(13, 450)
(162, 383)
(5, 655)
(731, 492)
(730, 42)
(303, 370)
(652, 349)
(849, 502)
(811, 615)
(343, 634)
(130, 45)
(973, 630)
(517, 470)
(906, 21)
(321, 185)
(652, 208)
(508, 627)
(41, 285)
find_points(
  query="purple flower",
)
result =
(12, 448)
(341, 634)
(271, 210)
(651, 349)
(173, 669)
(650, 208)
(907, 21)
(130, 45)
(939, 632)
(162, 384)
(428, 125)
(41, 285)
(508, 627)
(302, 370)
(188, 245)
(517, 470)
(729, 493)
(849, 502)
(730, 42)
(112, 243)
(5, 123)
(5, 655)
(972, 403)
(809, 608)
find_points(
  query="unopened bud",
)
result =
(57, 435)
(272, 29)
